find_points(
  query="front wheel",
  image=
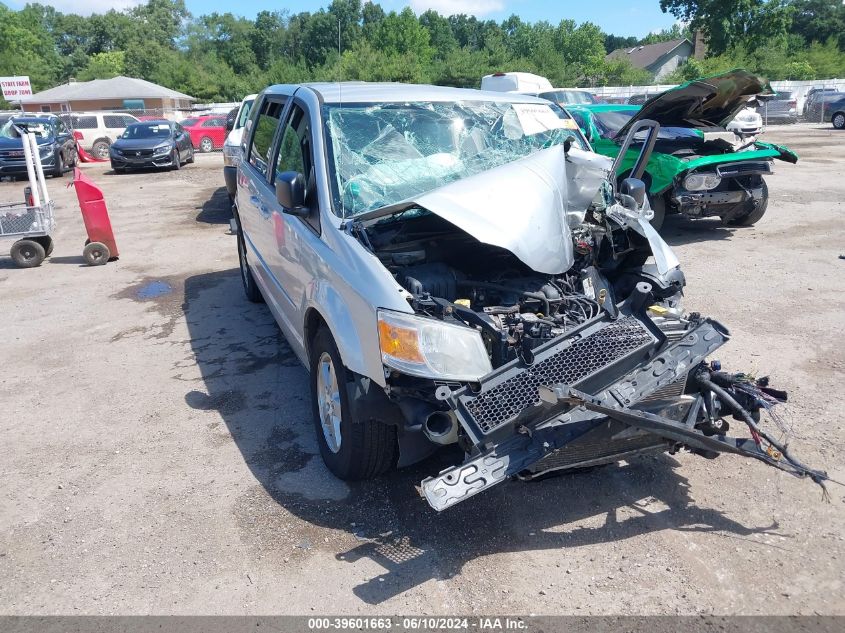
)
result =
(755, 215)
(351, 449)
(177, 161)
(27, 253)
(190, 155)
(59, 168)
(839, 120)
(658, 205)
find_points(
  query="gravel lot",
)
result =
(158, 454)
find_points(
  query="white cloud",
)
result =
(478, 8)
(84, 7)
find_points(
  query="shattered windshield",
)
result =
(385, 153)
(610, 122)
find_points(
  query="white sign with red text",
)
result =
(15, 88)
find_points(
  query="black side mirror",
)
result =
(635, 188)
(230, 124)
(567, 144)
(290, 193)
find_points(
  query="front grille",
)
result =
(137, 152)
(732, 170)
(11, 153)
(581, 360)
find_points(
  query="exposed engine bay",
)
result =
(590, 361)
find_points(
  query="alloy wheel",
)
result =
(328, 402)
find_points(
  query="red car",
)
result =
(207, 132)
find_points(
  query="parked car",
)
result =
(695, 169)
(442, 262)
(779, 108)
(746, 123)
(834, 111)
(526, 83)
(569, 96)
(810, 99)
(818, 107)
(638, 99)
(98, 129)
(152, 144)
(207, 132)
(232, 146)
(56, 145)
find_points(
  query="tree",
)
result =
(104, 65)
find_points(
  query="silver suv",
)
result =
(456, 267)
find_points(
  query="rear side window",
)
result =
(264, 130)
(84, 122)
(295, 150)
(215, 123)
(114, 120)
(129, 120)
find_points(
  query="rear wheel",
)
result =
(839, 120)
(351, 449)
(27, 253)
(206, 144)
(96, 253)
(251, 289)
(752, 217)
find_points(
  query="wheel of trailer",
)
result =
(47, 243)
(96, 253)
(251, 290)
(839, 120)
(100, 149)
(752, 217)
(658, 205)
(27, 253)
(206, 144)
(351, 449)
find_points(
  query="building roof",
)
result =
(644, 56)
(115, 88)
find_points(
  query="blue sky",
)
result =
(620, 17)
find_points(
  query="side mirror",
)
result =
(230, 124)
(567, 144)
(290, 193)
(635, 188)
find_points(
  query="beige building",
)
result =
(117, 93)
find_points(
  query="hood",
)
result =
(525, 207)
(140, 143)
(17, 143)
(705, 102)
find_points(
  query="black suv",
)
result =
(56, 146)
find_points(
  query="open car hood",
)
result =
(705, 102)
(526, 207)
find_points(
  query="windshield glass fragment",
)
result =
(389, 152)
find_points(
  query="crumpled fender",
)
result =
(784, 153)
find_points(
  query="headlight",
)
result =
(701, 182)
(163, 149)
(116, 151)
(231, 154)
(45, 150)
(425, 347)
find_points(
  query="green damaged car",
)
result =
(698, 168)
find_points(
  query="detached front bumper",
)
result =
(741, 188)
(519, 422)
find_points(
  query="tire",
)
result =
(658, 205)
(177, 160)
(206, 145)
(754, 216)
(96, 253)
(59, 168)
(251, 289)
(27, 253)
(74, 160)
(351, 449)
(100, 149)
(47, 243)
(838, 120)
(191, 155)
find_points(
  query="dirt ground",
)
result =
(158, 454)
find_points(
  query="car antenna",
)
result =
(340, 105)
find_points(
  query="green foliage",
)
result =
(104, 65)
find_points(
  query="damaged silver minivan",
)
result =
(458, 267)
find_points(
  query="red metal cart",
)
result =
(100, 246)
